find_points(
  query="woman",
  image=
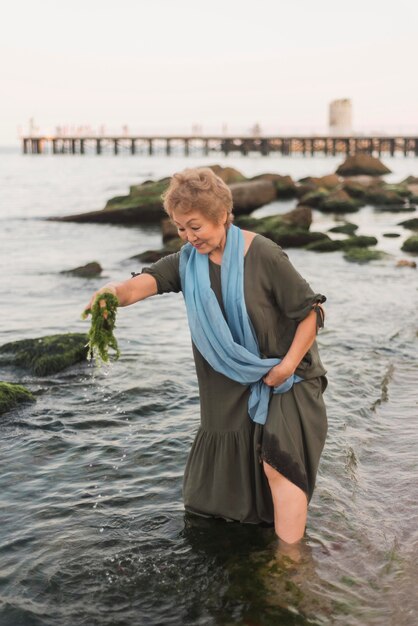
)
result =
(263, 419)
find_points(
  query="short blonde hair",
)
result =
(199, 189)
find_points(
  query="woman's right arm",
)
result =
(129, 291)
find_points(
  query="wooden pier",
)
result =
(188, 145)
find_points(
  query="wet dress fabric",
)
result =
(224, 474)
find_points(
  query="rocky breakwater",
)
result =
(143, 204)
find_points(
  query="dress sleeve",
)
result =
(292, 293)
(166, 273)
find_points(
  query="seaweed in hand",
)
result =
(103, 321)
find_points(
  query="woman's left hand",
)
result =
(278, 374)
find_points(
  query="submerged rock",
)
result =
(362, 163)
(12, 394)
(410, 244)
(406, 263)
(411, 224)
(45, 355)
(346, 229)
(326, 245)
(362, 255)
(391, 235)
(331, 245)
(90, 270)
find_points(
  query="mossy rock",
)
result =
(326, 245)
(346, 229)
(339, 202)
(411, 224)
(315, 198)
(285, 235)
(359, 241)
(401, 190)
(12, 395)
(391, 235)
(44, 356)
(362, 255)
(285, 185)
(381, 196)
(410, 244)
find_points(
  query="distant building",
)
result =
(340, 117)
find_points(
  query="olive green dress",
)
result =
(224, 474)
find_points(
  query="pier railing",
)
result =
(186, 145)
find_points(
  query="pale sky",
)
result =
(163, 65)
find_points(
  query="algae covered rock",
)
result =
(345, 229)
(359, 241)
(326, 245)
(410, 244)
(362, 163)
(362, 255)
(339, 201)
(90, 270)
(411, 224)
(12, 395)
(315, 197)
(45, 355)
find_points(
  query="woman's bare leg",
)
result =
(290, 506)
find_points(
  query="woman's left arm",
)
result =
(304, 337)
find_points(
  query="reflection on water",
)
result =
(93, 528)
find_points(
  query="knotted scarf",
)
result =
(229, 345)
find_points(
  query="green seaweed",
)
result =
(103, 322)
(12, 394)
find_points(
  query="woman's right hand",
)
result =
(106, 288)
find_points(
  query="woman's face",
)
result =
(204, 234)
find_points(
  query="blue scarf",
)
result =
(230, 346)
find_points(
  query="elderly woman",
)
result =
(253, 322)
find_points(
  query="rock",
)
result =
(151, 256)
(12, 394)
(90, 270)
(331, 245)
(411, 224)
(359, 241)
(391, 235)
(346, 229)
(228, 174)
(169, 230)
(406, 263)
(339, 202)
(410, 180)
(401, 190)
(285, 185)
(364, 180)
(395, 208)
(362, 163)
(45, 355)
(300, 217)
(329, 181)
(410, 244)
(326, 245)
(315, 198)
(252, 195)
(379, 196)
(362, 255)
(280, 232)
